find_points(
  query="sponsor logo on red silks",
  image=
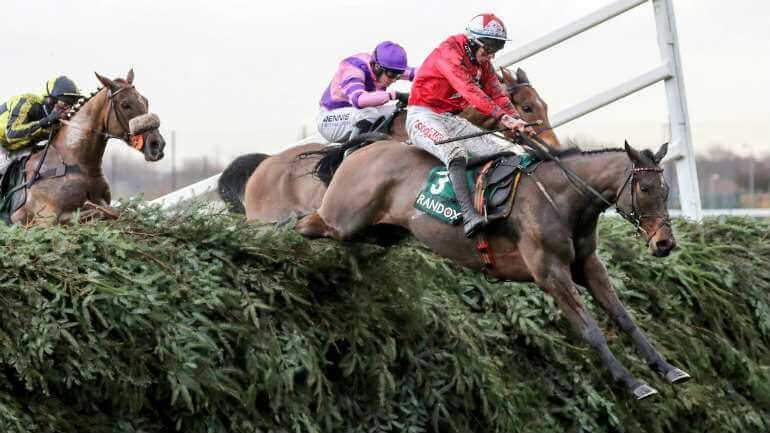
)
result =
(428, 132)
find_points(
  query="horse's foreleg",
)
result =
(101, 210)
(553, 276)
(593, 275)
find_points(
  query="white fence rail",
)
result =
(670, 72)
(209, 184)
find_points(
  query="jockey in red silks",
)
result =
(357, 95)
(456, 74)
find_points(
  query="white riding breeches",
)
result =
(335, 125)
(425, 127)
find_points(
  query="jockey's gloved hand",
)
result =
(516, 124)
(50, 119)
(403, 97)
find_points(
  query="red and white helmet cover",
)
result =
(486, 26)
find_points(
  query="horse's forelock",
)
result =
(649, 157)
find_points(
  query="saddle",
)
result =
(13, 197)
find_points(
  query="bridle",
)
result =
(120, 117)
(634, 215)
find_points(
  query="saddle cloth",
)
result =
(493, 185)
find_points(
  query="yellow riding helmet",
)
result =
(61, 86)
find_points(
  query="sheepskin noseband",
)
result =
(145, 122)
(141, 124)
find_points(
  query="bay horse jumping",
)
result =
(275, 188)
(549, 237)
(70, 175)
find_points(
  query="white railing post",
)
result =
(679, 120)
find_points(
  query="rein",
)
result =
(118, 116)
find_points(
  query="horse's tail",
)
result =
(232, 183)
(330, 157)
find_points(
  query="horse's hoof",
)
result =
(676, 375)
(643, 391)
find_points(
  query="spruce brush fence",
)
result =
(204, 323)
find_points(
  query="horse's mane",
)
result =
(83, 100)
(647, 155)
(81, 103)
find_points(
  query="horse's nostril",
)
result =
(664, 244)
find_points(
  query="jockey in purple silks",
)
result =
(357, 96)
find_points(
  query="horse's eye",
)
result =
(644, 188)
(125, 105)
(526, 108)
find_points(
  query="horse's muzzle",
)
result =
(662, 242)
(153, 146)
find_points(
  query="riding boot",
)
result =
(361, 127)
(472, 221)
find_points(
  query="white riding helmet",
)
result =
(487, 30)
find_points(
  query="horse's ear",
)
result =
(106, 82)
(507, 76)
(632, 153)
(661, 153)
(130, 76)
(521, 76)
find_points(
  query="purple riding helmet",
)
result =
(391, 56)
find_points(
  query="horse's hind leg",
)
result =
(593, 275)
(351, 204)
(314, 226)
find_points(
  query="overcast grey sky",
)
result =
(234, 76)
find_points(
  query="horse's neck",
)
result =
(81, 141)
(605, 172)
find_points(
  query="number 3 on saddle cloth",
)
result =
(493, 184)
